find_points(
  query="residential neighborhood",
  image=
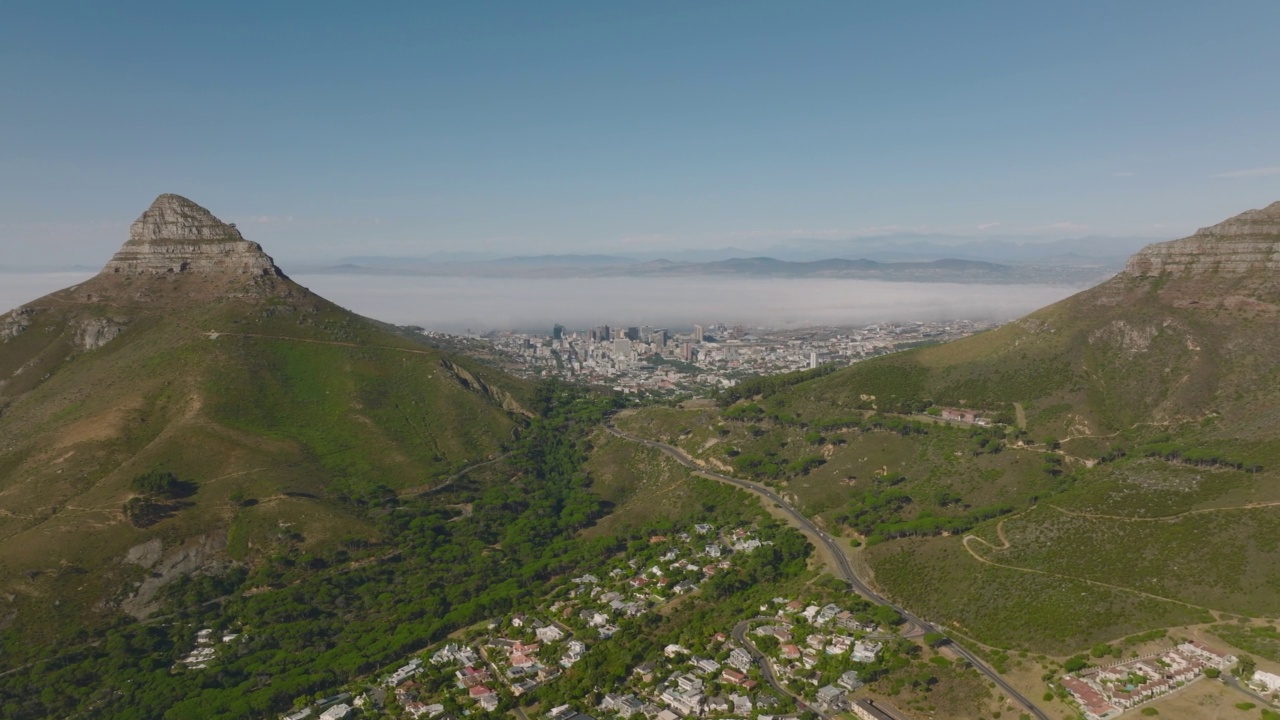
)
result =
(1104, 693)
(816, 653)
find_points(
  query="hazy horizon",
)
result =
(454, 304)
(449, 304)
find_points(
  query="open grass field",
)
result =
(1226, 560)
(641, 484)
(1261, 639)
(1205, 700)
(1014, 609)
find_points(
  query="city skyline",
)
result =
(647, 359)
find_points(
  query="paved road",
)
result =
(739, 634)
(916, 625)
(1234, 682)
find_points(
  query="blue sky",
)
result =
(332, 129)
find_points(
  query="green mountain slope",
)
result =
(192, 354)
(1129, 478)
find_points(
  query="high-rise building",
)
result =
(632, 333)
(557, 332)
(697, 333)
(813, 360)
(659, 337)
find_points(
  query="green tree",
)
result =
(1245, 667)
(1075, 664)
(156, 482)
(887, 616)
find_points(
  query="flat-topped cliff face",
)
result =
(176, 235)
(1234, 264)
(1247, 243)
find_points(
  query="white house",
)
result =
(741, 659)
(337, 712)
(549, 633)
(866, 651)
(1269, 682)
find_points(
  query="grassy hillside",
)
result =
(1079, 367)
(1127, 483)
(314, 622)
(275, 405)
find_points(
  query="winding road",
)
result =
(843, 566)
(739, 635)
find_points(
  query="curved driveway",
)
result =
(842, 561)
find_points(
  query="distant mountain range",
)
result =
(1109, 252)
(1105, 251)
(901, 257)
(581, 266)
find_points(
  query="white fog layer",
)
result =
(457, 304)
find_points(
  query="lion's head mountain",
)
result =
(192, 351)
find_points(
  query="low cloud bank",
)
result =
(457, 304)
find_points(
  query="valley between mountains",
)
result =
(224, 496)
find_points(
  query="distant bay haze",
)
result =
(478, 304)
(852, 281)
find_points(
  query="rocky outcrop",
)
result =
(15, 323)
(145, 554)
(196, 554)
(1246, 244)
(1126, 337)
(176, 236)
(1234, 265)
(93, 333)
(497, 396)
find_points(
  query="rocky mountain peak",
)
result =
(175, 235)
(1244, 248)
